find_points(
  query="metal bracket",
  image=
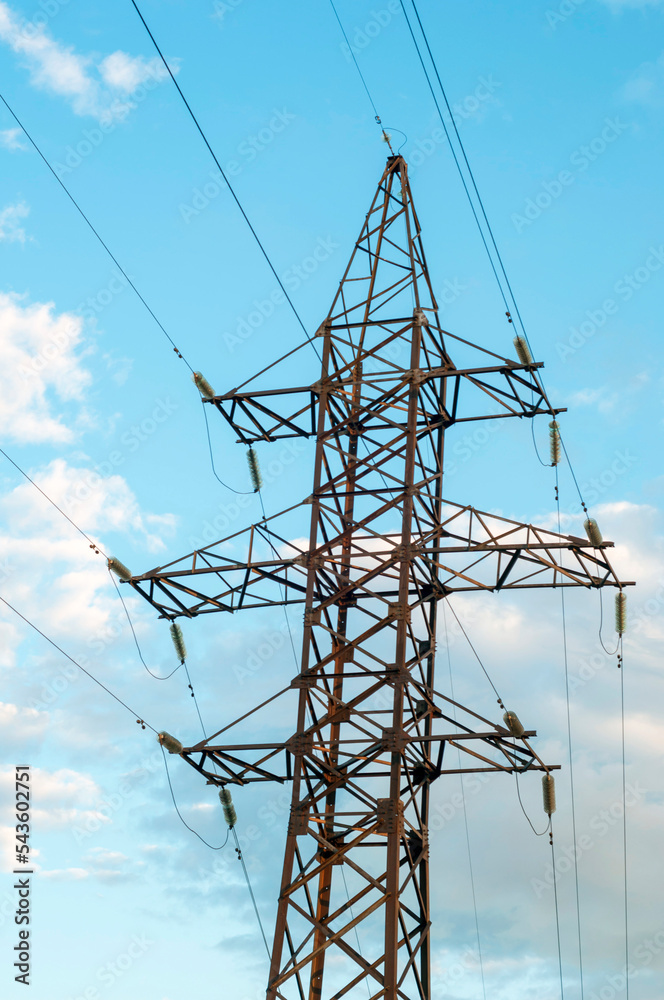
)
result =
(395, 739)
(390, 815)
(299, 820)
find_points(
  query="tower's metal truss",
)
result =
(372, 731)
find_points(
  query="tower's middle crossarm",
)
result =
(470, 551)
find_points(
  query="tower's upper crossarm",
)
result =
(506, 390)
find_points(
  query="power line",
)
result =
(609, 652)
(500, 702)
(477, 656)
(193, 695)
(238, 851)
(27, 621)
(455, 157)
(377, 117)
(96, 548)
(211, 846)
(489, 228)
(624, 805)
(465, 813)
(470, 172)
(96, 233)
(571, 759)
(214, 471)
(352, 916)
(523, 810)
(281, 591)
(555, 898)
(138, 717)
(87, 672)
(133, 632)
(123, 272)
(93, 545)
(226, 180)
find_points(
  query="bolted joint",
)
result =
(311, 616)
(395, 740)
(300, 744)
(298, 820)
(390, 815)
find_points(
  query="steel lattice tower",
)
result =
(383, 548)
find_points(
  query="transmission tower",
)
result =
(372, 731)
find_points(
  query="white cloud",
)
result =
(125, 73)
(59, 794)
(108, 866)
(22, 725)
(11, 138)
(647, 84)
(65, 874)
(64, 788)
(40, 360)
(11, 230)
(118, 367)
(47, 556)
(99, 503)
(93, 88)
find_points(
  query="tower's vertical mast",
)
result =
(394, 837)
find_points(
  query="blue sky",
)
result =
(560, 107)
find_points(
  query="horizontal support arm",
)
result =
(469, 551)
(257, 416)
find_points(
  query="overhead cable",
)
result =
(27, 621)
(377, 117)
(482, 209)
(96, 233)
(465, 813)
(93, 544)
(571, 759)
(211, 846)
(226, 180)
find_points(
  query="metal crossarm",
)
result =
(468, 550)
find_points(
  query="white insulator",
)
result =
(229, 809)
(119, 569)
(554, 440)
(178, 642)
(169, 742)
(513, 723)
(593, 532)
(549, 794)
(254, 470)
(621, 613)
(203, 385)
(523, 351)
